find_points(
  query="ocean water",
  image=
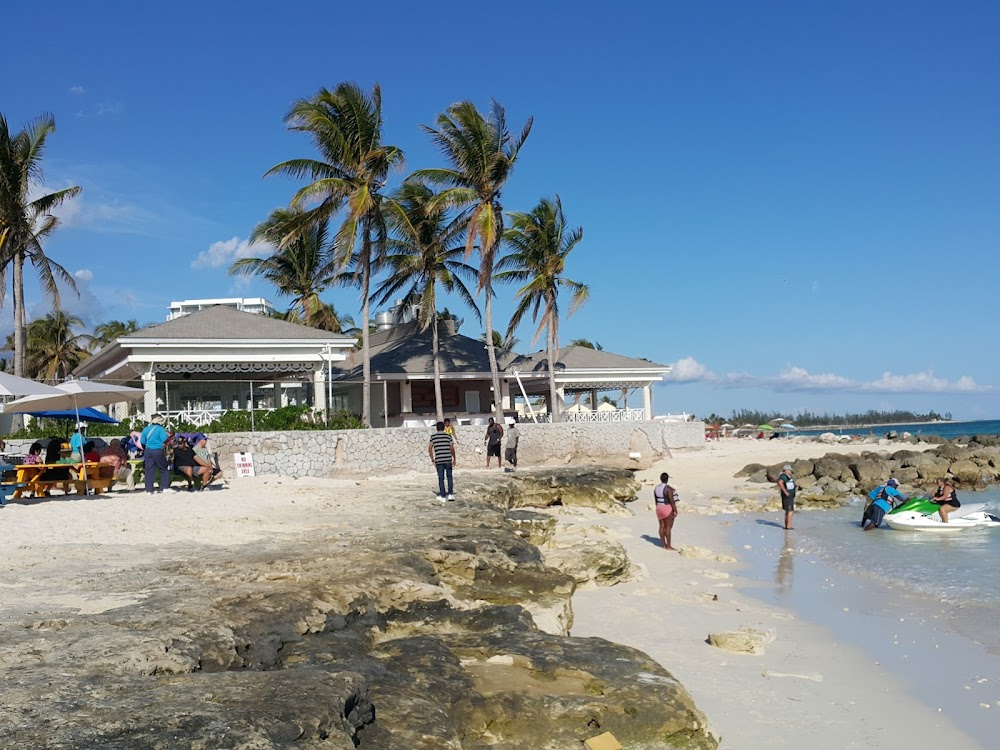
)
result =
(924, 606)
(947, 430)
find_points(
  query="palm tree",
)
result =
(54, 348)
(540, 242)
(481, 154)
(299, 268)
(346, 127)
(586, 344)
(425, 252)
(25, 222)
(110, 332)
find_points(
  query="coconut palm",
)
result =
(425, 252)
(345, 125)
(586, 344)
(540, 242)
(110, 332)
(480, 153)
(55, 349)
(25, 222)
(299, 268)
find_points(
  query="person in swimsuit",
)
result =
(946, 499)
(786, 483)
(666, 509)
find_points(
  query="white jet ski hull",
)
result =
(971, 517)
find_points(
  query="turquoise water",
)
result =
(947, 430)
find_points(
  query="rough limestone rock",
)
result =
(749, 470)
(535, 528)
(742, 641)
(603, 489)
(591, 561)
(340, 639)
(967, 472)
(870, 472)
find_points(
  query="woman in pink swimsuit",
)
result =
(666, 509)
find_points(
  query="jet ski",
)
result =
(920, 514)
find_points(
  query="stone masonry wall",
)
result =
(401, 449)
(325, 453)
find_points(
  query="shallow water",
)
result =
(924, 606)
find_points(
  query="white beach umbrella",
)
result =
(76, 395)
(11, 385)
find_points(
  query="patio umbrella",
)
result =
(11, 385)
(765, 427)
(778, 421)
(727, 425)
(87, 414)
(76, 395)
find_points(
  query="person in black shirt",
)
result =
(185, 464)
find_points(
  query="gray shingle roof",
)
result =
(219, 322)
(407, 350)
(583, 358)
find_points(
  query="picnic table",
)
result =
(30, 478)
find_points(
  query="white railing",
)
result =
(618, 415)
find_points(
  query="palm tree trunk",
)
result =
(553, 354)
(438, 400)
(19, 325)
(492, 354)
(366, 362)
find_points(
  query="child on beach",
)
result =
(666, 509)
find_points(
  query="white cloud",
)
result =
(688, 370)
(84, 274)
(223, 253)
(798, 379)
(77, 90)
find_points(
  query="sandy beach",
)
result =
(811, 688)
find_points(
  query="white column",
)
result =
(507, 401)
(405, 398)
(149, 399)
(281, 395)
(647, 401)
(560, 405)
(319, 389)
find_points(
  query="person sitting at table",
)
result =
(79, 437)
(204, 459)
(90, 454)
(114, 455)
(34, 455)
(185, 464)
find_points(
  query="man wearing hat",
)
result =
(79, 438)
(787, 486)
(883, 499)
(154, 439)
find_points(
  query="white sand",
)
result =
(807, 690)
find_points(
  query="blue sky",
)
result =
(795, 203)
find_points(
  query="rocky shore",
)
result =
(971, 464)
(353, 617)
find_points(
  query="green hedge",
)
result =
(284, 419)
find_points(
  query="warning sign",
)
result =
(244, 464)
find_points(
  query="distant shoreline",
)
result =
(831, 428)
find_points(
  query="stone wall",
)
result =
(402, 449)
(324, 453)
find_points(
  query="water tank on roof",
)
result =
(384, 321)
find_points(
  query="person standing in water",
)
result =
(666, 509)
(786, 483)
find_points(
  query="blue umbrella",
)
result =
(86, 415)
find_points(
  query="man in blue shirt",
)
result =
(76, 442)
(153, 440)
(883, 499)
